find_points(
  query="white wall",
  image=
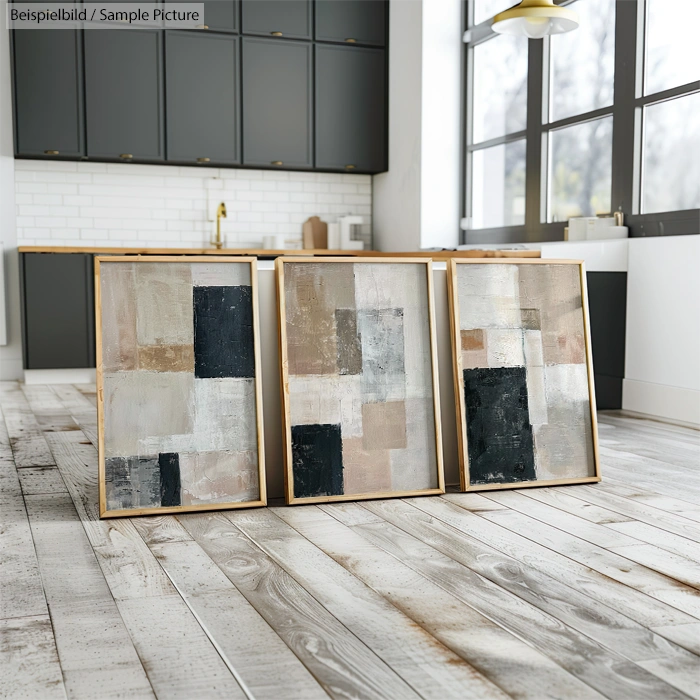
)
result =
(10, 354)
(397, 193)
(125, 204)
(416, 203)
(662, 357)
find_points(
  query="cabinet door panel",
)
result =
(221, 15)
(277, 107)
(124, 93)
(48, 87)
(202, 97)
(350, 109)
(58, 304)
(288, 18)
(352, 21)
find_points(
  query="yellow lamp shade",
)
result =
(535, 19)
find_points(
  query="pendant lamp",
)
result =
(535, 19)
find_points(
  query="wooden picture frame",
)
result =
(458, 375)
(259, 431)
(280, 265)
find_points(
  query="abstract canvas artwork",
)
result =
(359, 379)
(526, 411)
(179, 397)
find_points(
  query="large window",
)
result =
(601, 119)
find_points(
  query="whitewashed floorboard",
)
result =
(431, 669)
(516, 667)
(26, 437)
(94, 647)
(338, 659)
(28, 660)
(248, 644)
(567, 592)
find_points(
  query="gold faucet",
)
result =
(221, 211)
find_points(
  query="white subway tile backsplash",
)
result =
(123, 205)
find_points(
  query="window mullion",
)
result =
(533, 152)
(626, 119)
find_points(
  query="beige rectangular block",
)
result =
(164, 313)
(166, 358)
(556, 291)
(313, 292)
(142, 408)
(365, 471)
(415, 467)
(226, 274)
(505, 347)
(219, 477)
(384, 425)
(532, 344)
(401, 286)
(473, 348)
(327, 399)
(488, 296)
(118, 309)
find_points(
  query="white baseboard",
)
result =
(668, 402)
(59, 376)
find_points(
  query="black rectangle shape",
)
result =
(169, 463)
(317, 460)
(499, 434)
(223, 332)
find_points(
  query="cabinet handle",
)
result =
(203, 160)
(349, 167)
(276, 33)
(351, 41)
(51, 153)
(276, 162)
(126, 156)
(202, 26)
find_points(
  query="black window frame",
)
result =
(627, 141)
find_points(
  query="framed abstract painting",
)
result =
(178, 385)
(523, 374)
(359, 379)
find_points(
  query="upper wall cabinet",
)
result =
(351, 21)
(280, 18)
(202, 97)
(350, 109)
(220, 15)
(48, 80)
(124, 94)
(277, 103)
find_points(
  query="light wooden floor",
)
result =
(573, 592)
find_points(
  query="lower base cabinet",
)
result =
(58, 310)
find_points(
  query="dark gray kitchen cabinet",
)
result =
(352, 21)
(58, 320)
(48, 92)
(351, 108)
(277, 103)
(202, 97)
(221, 15)
(280, 18)
(124, 94)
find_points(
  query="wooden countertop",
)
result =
(256, 252)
